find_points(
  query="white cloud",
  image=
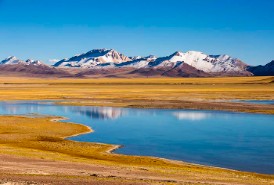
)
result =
(53, 60)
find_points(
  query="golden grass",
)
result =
(151, 88)
(43, 138)
(140, 92)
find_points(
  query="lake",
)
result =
(266, 102)
(238, 141)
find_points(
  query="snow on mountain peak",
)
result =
(93, 58)
(101, 58)
(135, 58)
(33, 62)
(177, 53)
(151, 57)
(13, 60)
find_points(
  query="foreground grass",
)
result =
(44, 139)
(182, 93)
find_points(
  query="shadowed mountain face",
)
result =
(266, 70)
(181, 69)
(33, 71)
(110, 63)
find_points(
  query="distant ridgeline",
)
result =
(110, 63)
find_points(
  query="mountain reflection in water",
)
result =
(14, 108)
(103, 113)
(99, 112)
(193, 116)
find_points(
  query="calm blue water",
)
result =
(267, 102)
(231, 140)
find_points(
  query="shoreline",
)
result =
(206, 105)
(240, 107)
(109, 149)
(115, 147)
(180, 107)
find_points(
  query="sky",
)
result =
(57, 29)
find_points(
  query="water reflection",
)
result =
(219, 138)
(103, 113)
(14, 108)
(99, 112)
(193, 116)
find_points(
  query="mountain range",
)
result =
(110, 63)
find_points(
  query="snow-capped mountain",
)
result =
(13, 60)
(94, 58)
(109, 58)
(110, 63)
(140, 62)
(17, 67)
(201, 61)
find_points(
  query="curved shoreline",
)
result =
(115, 147)
(90, 130)
(166, 170)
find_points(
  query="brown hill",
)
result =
(32, 70)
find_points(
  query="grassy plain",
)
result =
(39, 147)
(41, 141)
(188, 93)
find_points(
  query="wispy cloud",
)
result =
(51, 60)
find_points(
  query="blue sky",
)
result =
(56, 29)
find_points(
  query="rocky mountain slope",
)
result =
(266, 70)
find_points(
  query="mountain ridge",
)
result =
(263, 70)
(29, 67)
(111, 63)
